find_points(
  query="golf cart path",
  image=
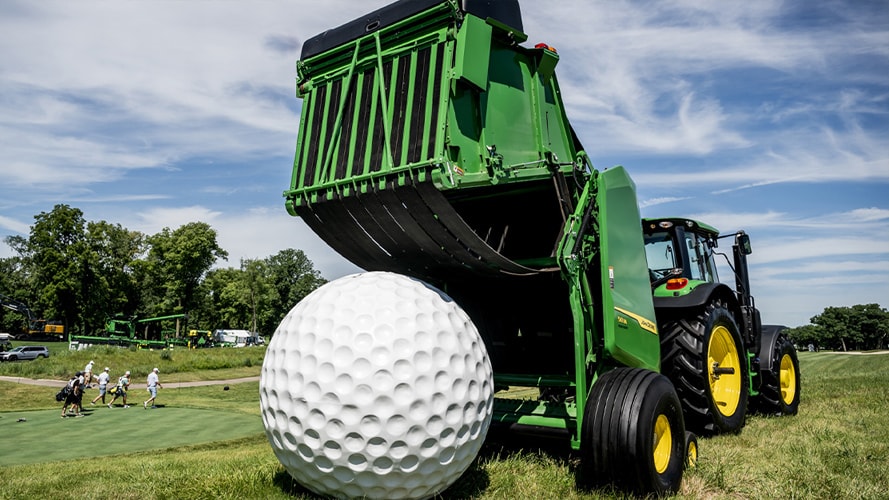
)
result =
(171, 385)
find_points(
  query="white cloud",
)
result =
(156, 114)
(263, 232)
(856, 221)
(14, 226)
(661, 201)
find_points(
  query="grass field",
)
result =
(176, 365)
(837, 447)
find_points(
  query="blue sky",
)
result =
(767, 116)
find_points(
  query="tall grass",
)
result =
(835, 448)
(175, 364)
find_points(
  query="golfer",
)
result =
(153, 384)
(123, 383)
(103, 385)
(75, 391)
(88, 374)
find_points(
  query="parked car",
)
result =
(25, 352)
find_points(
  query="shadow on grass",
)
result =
(499, 444)
(287, 484)
(471, 484)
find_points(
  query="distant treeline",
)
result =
(857, 328)
(81, 272)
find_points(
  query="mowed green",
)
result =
(43, 436)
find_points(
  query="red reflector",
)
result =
(677, 283)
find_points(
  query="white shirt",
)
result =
(103, 378)
(152, 379)
(89, 368)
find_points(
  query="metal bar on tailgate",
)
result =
(451, 219)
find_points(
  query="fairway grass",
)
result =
(43, 436)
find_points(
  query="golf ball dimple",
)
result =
(376, 385)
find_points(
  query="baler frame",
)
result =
(432, 144)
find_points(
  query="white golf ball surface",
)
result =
(376, 385)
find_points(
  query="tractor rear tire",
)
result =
(633, 435)
(704, 356)
(780, 389)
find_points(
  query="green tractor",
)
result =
(434, 144)
(714, 347)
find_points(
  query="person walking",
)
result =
(75, 390)
(83, 387)
(103, 385)
(88, 374)
(153, 384)
(123, 383)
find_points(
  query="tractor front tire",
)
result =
(780, 390)
(704, 356)
(691, 450)
(633, 435)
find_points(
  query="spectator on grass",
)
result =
(88, 374)
(73, 397)
(123, 383)
(103, 385)
(153, 384)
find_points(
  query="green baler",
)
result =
(433, 144)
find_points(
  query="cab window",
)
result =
(660, 254)
(700, 256)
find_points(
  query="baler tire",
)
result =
(633, 433)
(712, 402)
(780, 389)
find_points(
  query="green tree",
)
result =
(176, 264)
(257, 292)
(804, 335)
(293, 276)
(257, 296)
(223, 304)
(113, 255)
(863, 326)
(13, 279)
(60, 274)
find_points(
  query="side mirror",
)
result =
(742, 240)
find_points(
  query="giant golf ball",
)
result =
(376, 385)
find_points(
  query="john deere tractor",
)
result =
(433, 142)
(713, 345)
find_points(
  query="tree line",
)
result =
(82, 272)
(858, 328)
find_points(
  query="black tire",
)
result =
(633, 433)
(703, 355)
(12, 358)
(780, 389)
(691, 450)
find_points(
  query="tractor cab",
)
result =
(680, 254)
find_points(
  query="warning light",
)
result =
(677, 283)
(545, 46)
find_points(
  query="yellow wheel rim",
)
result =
(788, 379)
(691, 458)
(724, 367)
(663, 443)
